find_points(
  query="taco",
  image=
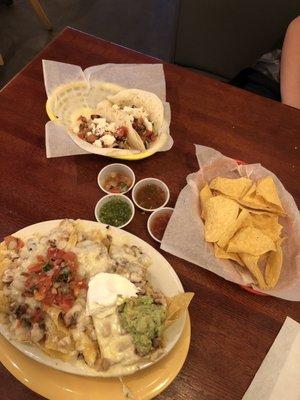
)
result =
(144, 111)
(103, 130)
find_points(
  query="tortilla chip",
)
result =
(266, 188)
(204, 194)
(177, 305)
(267, 223)
(221, 214)
(54, 353)
(71, 242)
(273, 266)
(221, 253)
(4, 303)
(255, 201)
(251, 262)
(240, 221)
(234, 188)
(251, 241)
(258, 212)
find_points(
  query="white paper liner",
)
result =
(278, 377)
(148, 77)
(184, 236)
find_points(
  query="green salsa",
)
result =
(115, 212)
(144, 320)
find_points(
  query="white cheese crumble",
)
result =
(136, 112)
(108, 140)
(98, 143)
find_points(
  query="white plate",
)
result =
(160, 274)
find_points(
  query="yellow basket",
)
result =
(74, 94)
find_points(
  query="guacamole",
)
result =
(144, 320)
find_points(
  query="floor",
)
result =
(132, 23)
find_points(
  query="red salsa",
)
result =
(159, 224)
(117, 183)
(150, 196)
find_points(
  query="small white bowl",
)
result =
(145, 182)
(108, 197)
(119, 168)
(153, 216)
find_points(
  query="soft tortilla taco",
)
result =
(145, 112)
(102, 130)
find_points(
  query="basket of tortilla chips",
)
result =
(239, 222)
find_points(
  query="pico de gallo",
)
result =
(54, 279)
(117, 183)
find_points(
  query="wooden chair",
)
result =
(41, 14)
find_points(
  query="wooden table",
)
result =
(232, 330)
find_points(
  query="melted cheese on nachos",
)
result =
(43, 298)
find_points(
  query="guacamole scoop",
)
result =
(143, 319)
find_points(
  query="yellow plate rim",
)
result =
(163, 374)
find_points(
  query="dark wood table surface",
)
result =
(232, 329)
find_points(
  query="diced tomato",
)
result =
(121, 132)
(40, 279)
(69, 256)
(64, 301)
(52, 252)
(78, 284)
(58, 261)
(36, 267)
(49, 299)
(54, 272)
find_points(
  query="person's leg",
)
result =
(290, 66)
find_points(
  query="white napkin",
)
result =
(148, 77)
(59, 143)
(278, 377)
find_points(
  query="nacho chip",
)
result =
(255, 201)
(266, 188)
(240, 221)
(221, 253)
(177, 305)
(251, 262)
(234, 188)
(221, 214)
(251, 241)
(273, 266)
(204, 194)
(267, 223)
(258, 212)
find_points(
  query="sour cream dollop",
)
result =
(105, 290)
